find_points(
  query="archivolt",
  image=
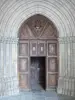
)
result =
(16, 12)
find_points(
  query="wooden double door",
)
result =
(38, 64)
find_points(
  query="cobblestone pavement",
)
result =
(43, 95)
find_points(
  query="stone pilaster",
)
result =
(66, 81)
(8, 66)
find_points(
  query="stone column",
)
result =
(66, 81)
(8, 66)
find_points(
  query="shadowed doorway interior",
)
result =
(37, 73)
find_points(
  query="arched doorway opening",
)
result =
(38, 54)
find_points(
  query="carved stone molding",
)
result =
(8, 40)
(70, 39)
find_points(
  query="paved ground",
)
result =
(38, 96)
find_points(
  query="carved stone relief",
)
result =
(37, 27)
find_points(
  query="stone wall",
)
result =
(12, 14)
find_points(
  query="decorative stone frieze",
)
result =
(70, 39)
(9, 40)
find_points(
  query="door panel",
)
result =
(52, 64)
(33, 48)
(23, 81)
(23, 64)
(52, 80)
(23, 49)
(52, 49)
(41, 46)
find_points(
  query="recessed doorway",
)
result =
(38, 54)
(38, 73)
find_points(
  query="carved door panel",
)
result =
(52, 81)
(52, 64)
(41, 48)
(23, 48)
(33, 48)
(52, 49)
(23, 65)
(23, 81)
(23, 73)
